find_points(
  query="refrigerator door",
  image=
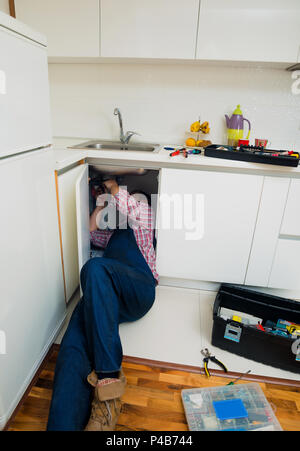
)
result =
(24, 94)
(32, 302)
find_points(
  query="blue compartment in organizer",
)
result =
(239, 407)
(230, 409)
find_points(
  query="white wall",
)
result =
(4, 7)
(160, 101)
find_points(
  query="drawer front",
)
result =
(291, 218)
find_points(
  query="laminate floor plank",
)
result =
(152, 400)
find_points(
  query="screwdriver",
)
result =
(173, 154)
(235, 380)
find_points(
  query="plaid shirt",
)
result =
(140, 218)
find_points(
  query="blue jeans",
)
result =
(119, 287)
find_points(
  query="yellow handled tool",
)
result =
(207, 357)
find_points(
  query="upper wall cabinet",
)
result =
(149, 28)
(256, 30)
(71, 27)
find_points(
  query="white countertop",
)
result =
(64, 157)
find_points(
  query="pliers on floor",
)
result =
(207, 358)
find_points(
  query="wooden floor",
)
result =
(152, 400)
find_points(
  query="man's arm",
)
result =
(138, 213)
(93, 224)
(99, 238)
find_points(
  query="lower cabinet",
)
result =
(275, 255)
(76, 204)
(291, 218)
(285, 271)
(267, 230)
(206, 224)
(211, 226)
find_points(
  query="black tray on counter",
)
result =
(229, 153)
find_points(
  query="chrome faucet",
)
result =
(124, 138)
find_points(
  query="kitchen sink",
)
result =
(117, 145)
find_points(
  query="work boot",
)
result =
(106, 405)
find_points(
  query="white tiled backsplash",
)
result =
(160, 101)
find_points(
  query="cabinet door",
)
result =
(71, 27)
(260, 30)
(68, 221)
(24, 94)
(83, 214)
(149, 28)
(286, 266)
(209, 234)
(267, 230)
(291, 218)
(32, 304)
(285, 270)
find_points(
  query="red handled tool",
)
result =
(173, 154)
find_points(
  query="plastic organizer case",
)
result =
(240, 407)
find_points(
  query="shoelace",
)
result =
(106, 413)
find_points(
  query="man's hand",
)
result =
(111, 186)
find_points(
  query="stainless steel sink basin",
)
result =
(117, 145)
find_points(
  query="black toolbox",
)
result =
(229, 153)
(248, 341)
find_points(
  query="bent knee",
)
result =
(94, 268)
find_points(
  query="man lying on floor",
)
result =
(118, 287)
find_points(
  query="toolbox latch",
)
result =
(233, 332)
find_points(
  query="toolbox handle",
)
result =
(217, 304)
(262, 303)
(228, 289)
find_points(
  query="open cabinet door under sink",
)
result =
(82, 213)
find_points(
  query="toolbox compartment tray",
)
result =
(254, 344)
(229, 154)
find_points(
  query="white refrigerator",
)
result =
(32, 303)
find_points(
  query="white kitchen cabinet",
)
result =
(291, 218)
(285, 272)
(257, 30)
(149, 28)
(24, 93)
(225, 211)
(71, 27)
(267, 230)
(286, 266)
